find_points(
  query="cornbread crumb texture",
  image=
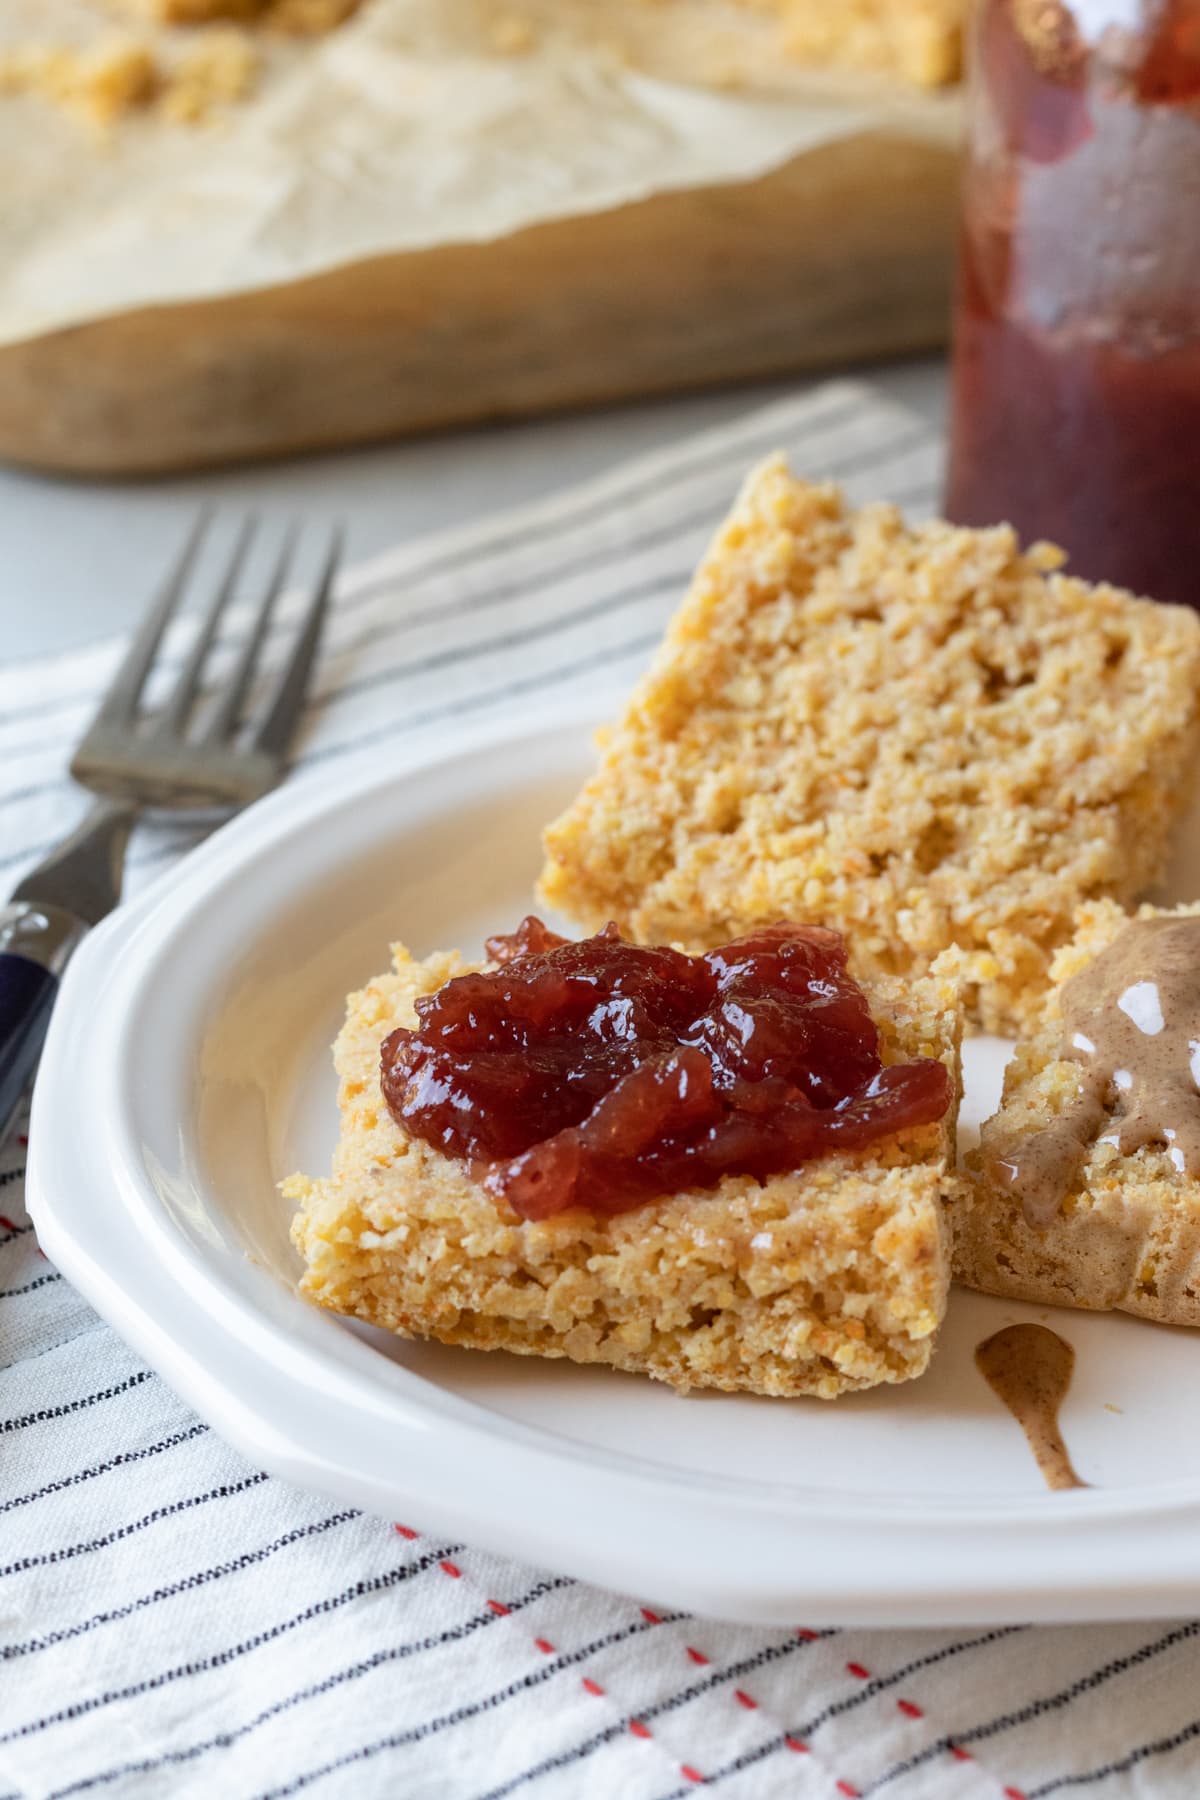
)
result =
(829, 1280)
(183, 81)
(920, 40)
(103, 84)
(1128, 1237)
(924, 737)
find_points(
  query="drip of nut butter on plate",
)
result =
(1131, 1018)
(1029, 1368)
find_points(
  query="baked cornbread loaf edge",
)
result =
(923, 737)
(819, 1282)
(1128, 1237)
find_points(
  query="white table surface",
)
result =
(80, 559)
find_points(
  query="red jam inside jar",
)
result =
(603, 1074)
(1076, 392)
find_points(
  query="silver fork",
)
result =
(177, 759)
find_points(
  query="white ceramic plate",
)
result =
(188, 1070)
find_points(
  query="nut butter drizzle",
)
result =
(1029, 1368)
(1131, 1018)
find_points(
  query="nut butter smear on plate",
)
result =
(1029, 1368)
(1132, 1019)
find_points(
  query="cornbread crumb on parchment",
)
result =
(122, 76)
(220, 68)
(922, 737)
(1128, 1236)
(183, 81)
(919, 39)
(819, 1282)
(98, 85)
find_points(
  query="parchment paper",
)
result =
(400, 131)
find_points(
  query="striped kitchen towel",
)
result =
(176, 1623)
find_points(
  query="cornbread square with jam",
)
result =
(820, 1281)
(921, 736)
(1127, 1236)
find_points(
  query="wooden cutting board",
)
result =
(841, 255)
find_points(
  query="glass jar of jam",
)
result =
(1076, 387)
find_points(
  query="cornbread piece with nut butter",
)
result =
(1085, 1189)
(923, 736)
(820, 1280)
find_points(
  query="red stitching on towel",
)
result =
(639, 1730)
(651, 1618)
(406, 1531)
(848, 1788)
(858, 1670)
(909, 1710)
(593, 1687)
(690, 1774)
(745, 1699)
(1012, 1793)
(795, 1744)
(810, 1637)
(961, 1755)
(698, 1656)
(546, 1648)
(498, 1606)
(451, 1569)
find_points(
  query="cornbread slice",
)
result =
(1128, 1235)
(922, 737)
(818, 1282)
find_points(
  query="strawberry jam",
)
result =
(601, 1074)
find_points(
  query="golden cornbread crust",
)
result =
(1128, 1239)
(923, 737)
(828, 1280)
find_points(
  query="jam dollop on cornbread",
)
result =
(601, 1073)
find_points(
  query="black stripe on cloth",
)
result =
(443, 660)
(486, 648)
(396, 1653)
(418, 1733)
(47, 1558)
(1036, 1709)
(31, 1287)
(200, 1578)
(45, 1413)
(565, 1759)
(818, 421)
(908, 437)
(523, 536)
(598, 556)
(220, 1659)
(868, 1691)
(566, 619)
(120, 1461)
(152, 858)
(1122, 1765)
(518, 588)
(8, 1175)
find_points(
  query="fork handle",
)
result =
(35, 944)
